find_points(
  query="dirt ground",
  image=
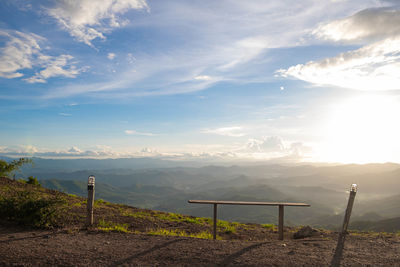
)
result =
(21, 247)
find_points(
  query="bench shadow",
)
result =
(239, 253)
(150, 250)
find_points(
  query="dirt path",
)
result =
(44, 248)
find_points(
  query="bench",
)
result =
(281, 206)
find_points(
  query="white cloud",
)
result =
(18, 53)
(366, 25)
(111, 56)
(271, 144)
(53, 67)
(274, 147)
(22, 51)
(72, 152)
(373, 67)
(203, 78)
(218, 47)
(233, 131)
(74, 149)
(133, 132)
(64, 114)
(87, 20)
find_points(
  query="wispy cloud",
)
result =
(111, 56)
(64, 114)
(53, 67)
(133, 132)
(232, 131)
(18, 53)
(72, 152)
(22, 51)
(87, 20)
(371, 24)
(233, 49)
(375, 66)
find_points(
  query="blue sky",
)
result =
(285, 80)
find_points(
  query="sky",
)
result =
(257, 80)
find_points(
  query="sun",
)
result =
(363, 129)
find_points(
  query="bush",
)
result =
(30, 209)
(33, 180)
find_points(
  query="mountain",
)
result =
(167, 185)
(387, 225)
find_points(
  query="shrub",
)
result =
(30, 209)
(33, 180)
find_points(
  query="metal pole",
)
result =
(280, 225)
(215, 222)
(90, 200)
(342, 235)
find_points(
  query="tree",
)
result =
(33, 180)
(7, 168)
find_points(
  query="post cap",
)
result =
(353, 188)
(91, 180)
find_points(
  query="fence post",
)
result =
(90, 200)
(280, 224)
(342, 235)
(215, 222)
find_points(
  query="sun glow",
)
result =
(363, 129)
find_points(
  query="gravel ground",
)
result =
(21, 247)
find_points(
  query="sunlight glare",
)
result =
(363, 129)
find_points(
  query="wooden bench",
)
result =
(281, 205)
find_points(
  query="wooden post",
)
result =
(280, 225)
(215, 222)
(337, 257)
(90, 200)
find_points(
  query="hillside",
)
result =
(55, 209)
(168, 189)
(124, 235)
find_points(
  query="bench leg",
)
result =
(215, 222)
(280, 226)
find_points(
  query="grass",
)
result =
(169, 216)
(175, 232)
(269, 226)
(225, 226)
(371, 234)
(99, 202)
(112, 227)
(228, 227)
(137, 214)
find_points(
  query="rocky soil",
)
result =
(22, 247)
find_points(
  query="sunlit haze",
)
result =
(289, 81)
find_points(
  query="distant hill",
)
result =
(387, 225)
(167, 185)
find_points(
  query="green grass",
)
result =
(270, 226)
(168, 232)
(169, 216)
(112, 227)
(228, 227)
(99, 202)
(137, 214)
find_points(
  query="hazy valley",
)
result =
(168, 185)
